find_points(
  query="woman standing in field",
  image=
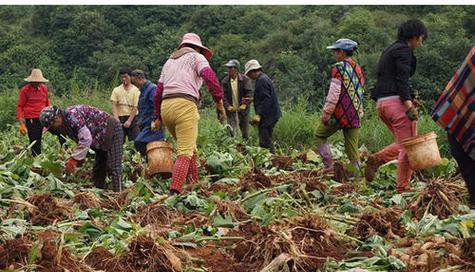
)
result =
(176, 103)
(395, 100)
(343, 105)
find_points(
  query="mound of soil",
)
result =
(385, 222)
(47, 210)
(254, 180)
(214, 259)
(345, 188)
(14, 253)
(440, 197)
(233, 209)
(86, 200)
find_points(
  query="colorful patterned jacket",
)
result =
(345, 96)
(455, 109)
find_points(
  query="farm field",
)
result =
(249, 210)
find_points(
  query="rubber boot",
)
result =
(193, 170)
(325, 152)
(180, 171)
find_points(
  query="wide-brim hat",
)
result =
(36, 76)
(194, 39)
(252, 65)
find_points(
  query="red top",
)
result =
(31, 101)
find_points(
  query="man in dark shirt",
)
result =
(237, 96)
(266, 104)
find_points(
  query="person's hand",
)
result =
(220, 110)
(412, 114)
(326, 118)
(127, 124)
(230, 109)
(155, 125)
(23, 129)
(70, 166)
(256, 120)
(243, 107)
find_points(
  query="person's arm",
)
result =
(133, 111)
(403, 58)
(115, 101)
(48, 102)
(20, 106)
(264, 97)
(157, 101)
(333, 94)
(247, 90)
(211, 80)
(84, 143)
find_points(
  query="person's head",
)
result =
(137, 77)
(36, 78)
(414, 32)
(233, 68)
(124, 74)
(253, 69)
(192, 40)
(343, 48)
(51, 117)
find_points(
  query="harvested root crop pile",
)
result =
(86, 200)
(146, 255)
(435, 253)
(233, 209)
(101, 259)
(52, 257)
(14, 252)
(282, 162)
(154, 213)
(440, 197)
(384, 222)
(254, 180)
(116, 200)
(47, 210)
(55, 258)
(308, 240)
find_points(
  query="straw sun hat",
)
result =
(36, 76)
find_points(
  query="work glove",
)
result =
(23, 129)
(412, 114)
(326, 118)
(155, 125)
(221, 111)
(243, 107)
(230, 109)
(256, 120)
(70, 165)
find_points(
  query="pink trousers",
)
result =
(393, 113)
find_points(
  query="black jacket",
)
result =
(244, 88)
(266, 104)
(396, 65)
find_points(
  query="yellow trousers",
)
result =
(181, 118)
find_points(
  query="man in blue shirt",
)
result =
(146, 115)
